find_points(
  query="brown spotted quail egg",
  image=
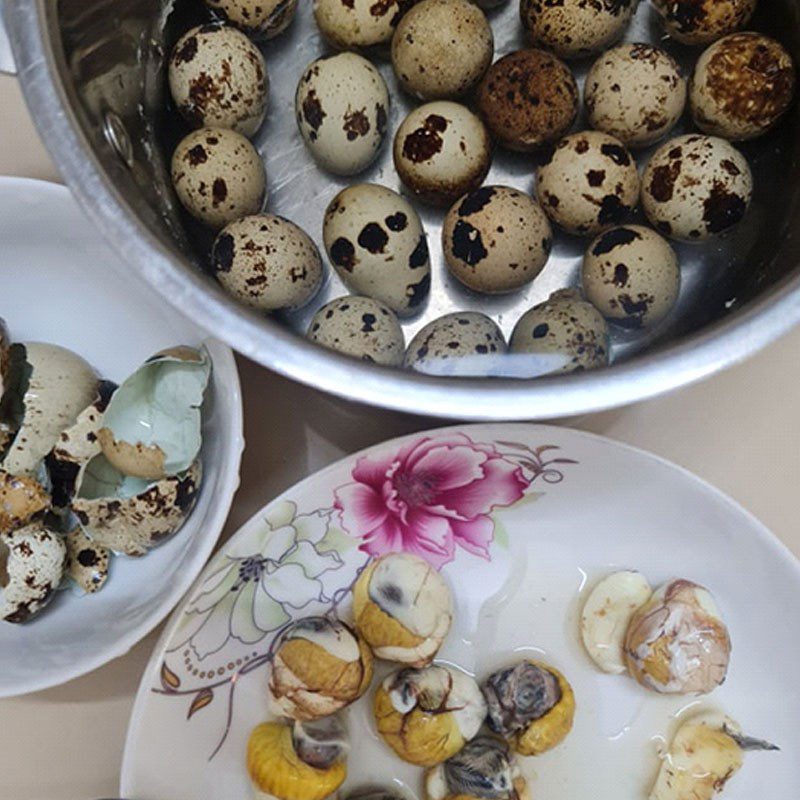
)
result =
(358, 24)
(496, 239)
(442, 48)
(462, 343)
(703, 21)
(742, 86)
(218, 176)
(360, 327)
(632, 276)
(260, 19)
(635, 92)
(564, 330)
(528, 99)
(696, 187)
(267, 262)
(589, 183)
(576, 28)
(375, 241)
(218, 78)
(342, 107)
(21, 499)
(442, 151)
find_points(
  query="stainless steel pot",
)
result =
(92, 72)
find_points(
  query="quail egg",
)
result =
(342, 107)
(575, 28)
(358, 24)
(528, 99)
(742, 86)
(442, 151)
(496, 239)
(320, 667)
(267, 262)
(375, 241)
(218, 176)
(360, 327)
(566, 332)
(462, 343)
(442, 48)
(87, 562)
(677, 643)
(260, 19)
(635, 92)
(403, 608)
(703, 21)
(218, 78)
(696, 187)
(427, 715)
(632, 276)
(589, 183)
(21, 499)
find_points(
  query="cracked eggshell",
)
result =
(342, 108)
(268, 263)
(696, 187)
(375, 240)
(21, 499)
(259, 19)
(703, 21)
(359, 23)
(218, 176)
(589, 183)
(87, 562)
(606, 615)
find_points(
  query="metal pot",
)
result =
(92, 72)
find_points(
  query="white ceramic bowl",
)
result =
(61, 284)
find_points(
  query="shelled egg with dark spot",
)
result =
(260, 19)
(358, 24)
(703, 21)
(696, 187)
(376, 243)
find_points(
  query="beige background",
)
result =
(739, 430)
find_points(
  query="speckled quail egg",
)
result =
(589, 183)
(677, 642)
(696, 187)
(342, 107)
(703, 21)
(358, 24)
(403, 608)
(320, 667)
(496, 239)
(267, 262)
(576, 28)
(742, 86)
(442, 151)
(360, 327)
(442, 48)
(635, 92)
(259, 19)
(218, 78)
(218, 176)
(564, 330)
(375, 241)
(21, 499)
(87, 562)
(462, 343)
(427, 715)
(632, 276)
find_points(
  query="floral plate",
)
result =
(521, 519)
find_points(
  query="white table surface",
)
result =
(739, 430)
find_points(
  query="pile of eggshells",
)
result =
(495, 239)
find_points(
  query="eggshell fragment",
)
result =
(87, 562)
(21, 499)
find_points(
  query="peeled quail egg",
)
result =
(528, 99)
(342, 107)
(677, 643)
(496, 239)
(696, 187)
(218, 176)
(607, 614)
(635, 92)
(320, 667)
(267, 262)
(260, 19)
(403, 608)
(87, 562)
(589, 183)
(359, 24)
(218, 78)
(530, 704)
(376, 243)
(360, 327)
(442, 48)
(442, 151)
(742, 86)
(703, 21)
(632, 276)
(427, 715)
(21, 499)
